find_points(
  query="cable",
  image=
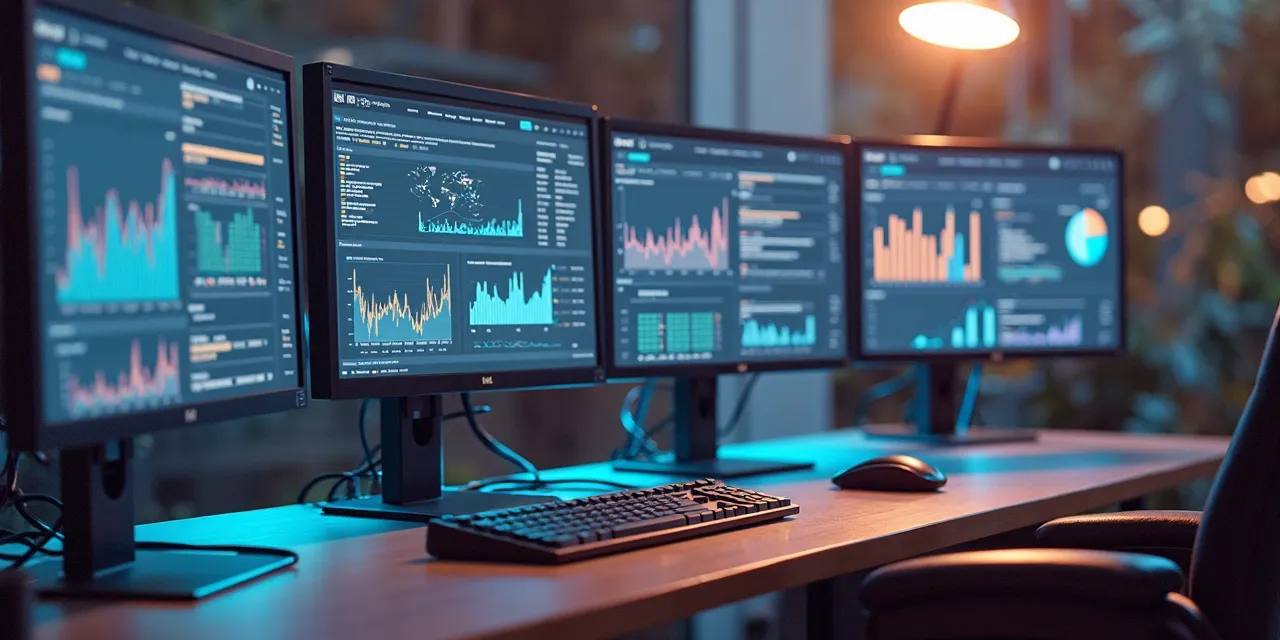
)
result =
(372, 465)
(968, 406)
(493, 444)
(639, 440)
(364, 436)
(20, 505)
(537, 483)
(880, 391)
(291, 556)
(743, 398)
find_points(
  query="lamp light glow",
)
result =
(1153, 220)
(960, 24)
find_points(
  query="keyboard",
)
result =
(572, 530)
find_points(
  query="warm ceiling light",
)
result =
(961, 24)
(1153, 220)
(1263, 188)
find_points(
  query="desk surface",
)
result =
(365, 578)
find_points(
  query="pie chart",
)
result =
(1087, 237)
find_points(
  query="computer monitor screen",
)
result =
(728, 251)
(165, 224)
(462, 237)
(973, 251)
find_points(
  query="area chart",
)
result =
(395, 317)
(137, 386)
(447, 223)
(490, 308)
(757, 335)
(125, 252)
(680, 246)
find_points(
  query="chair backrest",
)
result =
(1235, 567)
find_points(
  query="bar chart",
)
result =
(902, 253)
(976, 329)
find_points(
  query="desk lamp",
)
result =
(963, 25)
(960, 24)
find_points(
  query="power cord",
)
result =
(968, 413)
(493, 444)
(744, 397)
(532, 484)
(635, 407)
(371, 468)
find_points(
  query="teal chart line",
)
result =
(490, 229)
(516, 344)
(491, 309)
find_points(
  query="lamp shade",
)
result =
(962, 24)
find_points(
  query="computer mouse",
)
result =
(891, 473)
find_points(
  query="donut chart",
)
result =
(1087, 237)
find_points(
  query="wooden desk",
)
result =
(371, 579)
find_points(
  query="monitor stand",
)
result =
(937, 388)
(696, 440)
(100, 558)
(413, 470)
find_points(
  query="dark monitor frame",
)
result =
(318, 79)
(841, 144)
(23, 392)
(858, 271)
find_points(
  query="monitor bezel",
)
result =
(837, 143)
(317, 81)
(960, 143)
(23, 393)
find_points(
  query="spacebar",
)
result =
(646, 526)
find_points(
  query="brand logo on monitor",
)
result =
(190, 416)
(339, 97)
(873, 156)
(486, 380)
(46, 30)
(624, 143)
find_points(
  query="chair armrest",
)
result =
(1137, 531)
(1122, 579)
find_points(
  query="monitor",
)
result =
(151, 272)
(976, 249)
(727, 254)
(727, 251)
(453, 248)
(454, 245)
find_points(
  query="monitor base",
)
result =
(972, 436)
(450, 503)
(170, 574)
(718, 468)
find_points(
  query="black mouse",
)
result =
(891, 473)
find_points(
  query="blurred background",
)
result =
(1186, 87)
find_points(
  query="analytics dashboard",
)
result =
(726, 252)
(984, 251)
(165, 222)
(463, 237)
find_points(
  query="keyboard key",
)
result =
(645, 526)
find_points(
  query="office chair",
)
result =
(15, 606)
(1118, 575)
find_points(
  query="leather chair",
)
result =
(15, 606)
(1118, 575)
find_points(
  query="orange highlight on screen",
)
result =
(902, 253)
(48, 73)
